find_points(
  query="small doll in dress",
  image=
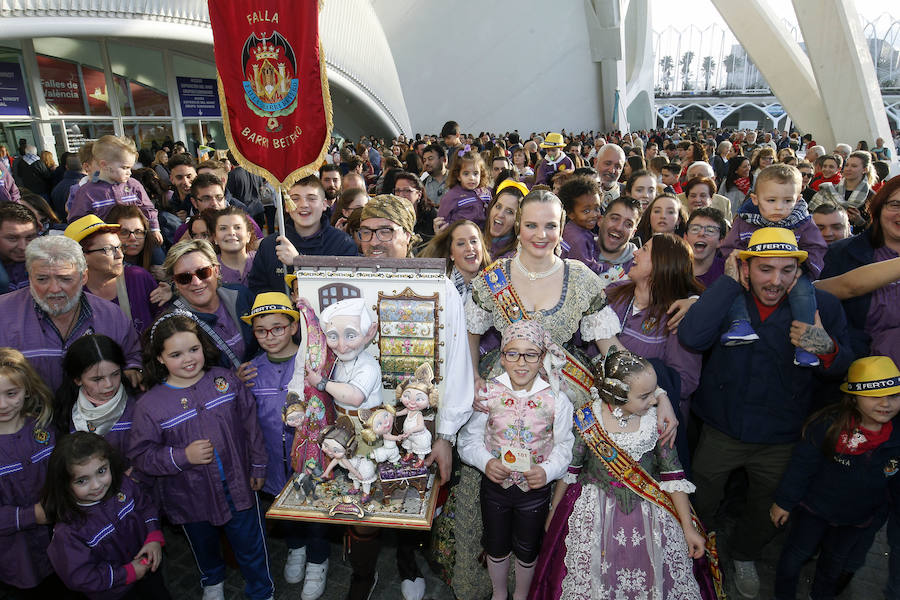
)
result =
(417, 395)
(379, 423)
(339, 443)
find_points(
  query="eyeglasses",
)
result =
(138, 234)
(892, 206)
(262, 332)
(409, 190)
(384, 234)
(107, 250)
(707, 229)
(805, 174)
(201, 273)
(530, 357)
(209, 198)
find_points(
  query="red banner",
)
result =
(272, 85)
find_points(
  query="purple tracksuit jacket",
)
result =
(270, 389)
(166, 420)
(23, 543)
(98, 197)
(459, 203)
(90, 555)
(580, 244)
(37, 338)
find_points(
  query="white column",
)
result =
(840, 59)
(782, 62)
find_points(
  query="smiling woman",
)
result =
(194, 269)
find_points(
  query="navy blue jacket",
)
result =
(60, 192)
(846, 255)
(267, 272)
(843, 489)
(754, 392)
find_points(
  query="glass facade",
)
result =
(92, 88)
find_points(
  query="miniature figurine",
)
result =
(339, 443)
(307, 480)
(417, 395)
(379, 423)
(355, 380)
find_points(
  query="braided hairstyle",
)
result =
(613, 373)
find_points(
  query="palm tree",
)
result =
(666, 64)
(707, 67)
(686, 59)
(733, 62)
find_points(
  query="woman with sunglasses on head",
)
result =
(194, 269)
(131, 287)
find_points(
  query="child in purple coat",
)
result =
(290, 424)
(581, 199)
(107, 542)
(776, 202)
(26, 441)
(468, 191)
(196, 432)
(114, 185)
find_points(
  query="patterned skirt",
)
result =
(593, 550)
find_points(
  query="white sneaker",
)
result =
(295, 565)
(413, 590)
(214, 592)
(314, 586)
(746, 579)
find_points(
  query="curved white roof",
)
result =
(357, 55)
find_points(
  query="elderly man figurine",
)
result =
(44, 319)
(355, 381)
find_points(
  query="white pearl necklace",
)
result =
(535, 275)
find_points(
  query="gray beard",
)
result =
(55, 312)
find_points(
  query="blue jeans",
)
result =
(807, 533)
(802, 299)
(246, 533)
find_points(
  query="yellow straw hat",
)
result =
(776, 242)
(85, 226)
(553, 140)
(271, 302)
(874, 376)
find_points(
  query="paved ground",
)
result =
(183, 581)
(182, 576)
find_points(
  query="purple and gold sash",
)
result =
(630, 473)
(509, 305)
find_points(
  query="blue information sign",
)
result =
(199, 97)
(13, 100)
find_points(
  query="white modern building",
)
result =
(59, 60)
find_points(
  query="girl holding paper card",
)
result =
(522, 445)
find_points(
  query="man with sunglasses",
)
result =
(386, 231)
(43, 320)
(807, 172)
(307, 232)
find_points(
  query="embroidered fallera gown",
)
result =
(605, 541)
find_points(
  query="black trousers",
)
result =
(513, 520)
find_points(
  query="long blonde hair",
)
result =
(38, 398)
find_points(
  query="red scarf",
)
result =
(743, 184)
(819, 180)
(861, 440)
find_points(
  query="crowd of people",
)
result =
(682, 329)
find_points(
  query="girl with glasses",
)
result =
(138, 248)
(521, 445)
